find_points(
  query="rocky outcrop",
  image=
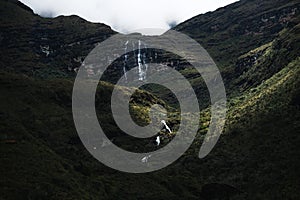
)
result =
(43, 46)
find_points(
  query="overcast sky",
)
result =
(128, 15)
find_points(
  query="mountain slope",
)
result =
(42, 156)
(45, 47)
(238, 28)
(41, 153)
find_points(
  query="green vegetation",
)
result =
(257, 157)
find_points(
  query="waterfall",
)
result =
(157, 140)
(125, 60)
(144, 60)
(134, 55)
(141, 61)
(165, 124)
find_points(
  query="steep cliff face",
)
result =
(256, 46)
(45, 47)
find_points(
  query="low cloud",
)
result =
(128, 15)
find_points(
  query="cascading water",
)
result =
(139, 59)
(140, 62)
(134, 55)
(125, 60)
(142, 66)
(166, 126)
(144, 60)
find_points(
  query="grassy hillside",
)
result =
(42, 156)
(41, 153)
(238, 28)
(256, 46)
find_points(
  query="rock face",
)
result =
(42, 46)
(256, 45)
